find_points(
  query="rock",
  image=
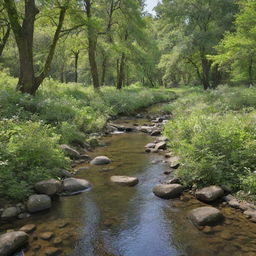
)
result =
(57, 241)
(155, 133)
(168, 191)
(174, 162)
(23, 215)
(38, 203)
(85, 158)
(63, 224)
(48, 187)
(29, 228)
(161, 145)
(146, 129)
(172, 181)
(71, 152)
(9, 213)
(251, 213)
(209, 194)
(150, 145)
(125, 180)
(46, 235)
(100, 160)
(21, 207)
(82, 169)
(52, 251)
(206, 215)
(162, 138)
(75, 185)
(65, 174)
(12, 241)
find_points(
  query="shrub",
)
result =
(215, 136)
(29, 153)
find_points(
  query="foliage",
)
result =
(31, 128)
(214, 134)
(29, 153)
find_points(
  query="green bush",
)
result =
(214, 133)
(29, 153)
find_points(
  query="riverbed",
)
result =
(110, 220)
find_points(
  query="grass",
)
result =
(214, 133)
(32, 128)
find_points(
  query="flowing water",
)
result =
(110, 220)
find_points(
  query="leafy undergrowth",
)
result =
(214, 133)
(31, 128)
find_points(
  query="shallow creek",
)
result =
(110, 220)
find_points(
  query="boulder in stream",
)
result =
(168, 191)
(38, 203)
(69, 151)
(100, 160)
(9, 213)
(73, 185)
(209, 194)
(124, 180)
(48, 187)
(161, 145)
(206, 215)
(12, 241)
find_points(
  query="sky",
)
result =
(150, 4)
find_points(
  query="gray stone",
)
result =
(168, 191)
(209, 194)
(24, 215)
(161, 145)
(206, 215)
(69, 151)
(100, 160)
(12, 241)
(65, 174)
(174, 162)
(125, 180)
(9, 213)
(75, 185)
(150, 145)
(48, 187)
(155, 133)
(38, 203)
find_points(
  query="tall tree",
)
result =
(29, 82)
(191, 30)
(5, 28)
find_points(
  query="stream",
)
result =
(110, 220)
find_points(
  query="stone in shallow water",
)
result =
(52, 251)
(205, 216)
(75, 185)
(125, 180)
(209, 194)
(46, 235)
(12, 241)
(29, 228)
(48, 187)
(168, 191)
(100, 160)
(9, 213)
(38, 203)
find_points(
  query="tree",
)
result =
(29, 82)
(192, 28)
(237, 51)
(5, 28)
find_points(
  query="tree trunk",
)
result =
(92, 46)
(206, 72)
(24, 35)
(5, 39)
(76, 55)
(121, 75)
(104, 68)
